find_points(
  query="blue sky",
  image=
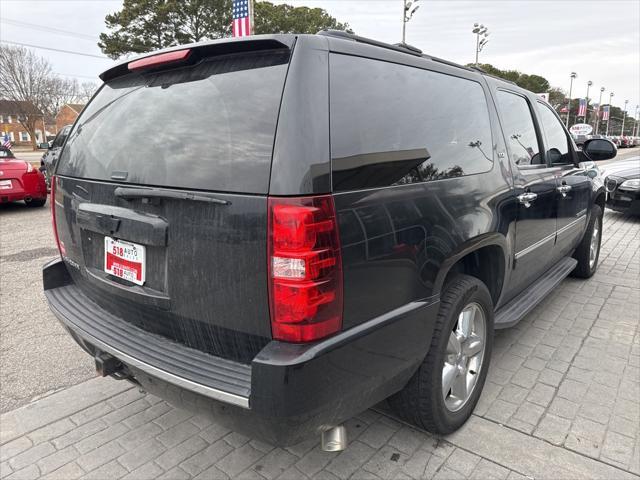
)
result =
(600, 40)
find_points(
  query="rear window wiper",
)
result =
(133, 193)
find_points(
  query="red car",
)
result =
(20, 181)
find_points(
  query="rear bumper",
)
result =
(19, 193)
(289, 391)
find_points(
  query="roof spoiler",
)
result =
(211, 48)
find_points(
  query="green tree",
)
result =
(534, 83)
(270, 18)
(146, 25)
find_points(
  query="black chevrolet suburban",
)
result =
(284, 230)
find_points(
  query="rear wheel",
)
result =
(588, 252)
(442, 394)
(36, 202)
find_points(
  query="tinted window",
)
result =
(517, 124)
(393, 124)
(210, 126)
(557, 141)
(61, 137)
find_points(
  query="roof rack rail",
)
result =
(400, 47)
(408, 47)
(450, 63)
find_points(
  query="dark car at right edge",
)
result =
(622, 181)
(343, 221)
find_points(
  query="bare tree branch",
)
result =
(27, 80)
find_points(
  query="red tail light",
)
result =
(305, 268)
(52, 201)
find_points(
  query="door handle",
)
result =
(526, 198)
(564, 189)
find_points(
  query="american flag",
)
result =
(605, 112)
(6, 141)
(582, 107)
(241, 18)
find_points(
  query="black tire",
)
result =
(36, 202)
(584, 269)
(421, 401)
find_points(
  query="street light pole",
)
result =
(586, 99)
(599, 109)
(610, 112)
(406, 16)
(624, 114)
(480, 30)
(573, 75)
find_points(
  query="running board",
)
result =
(514, 311)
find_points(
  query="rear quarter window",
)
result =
(394, 124)
(210, 126)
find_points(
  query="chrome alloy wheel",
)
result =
(463, 357)
(594, 246)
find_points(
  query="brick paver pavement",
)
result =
(561, 401)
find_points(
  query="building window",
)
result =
(25, 137)
(1, 119)
(12, 136)
(9, 119)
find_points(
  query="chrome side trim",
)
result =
(151, 370)
(538, 244)
(569, 226)
(548, 238)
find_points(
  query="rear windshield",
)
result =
(208, 127)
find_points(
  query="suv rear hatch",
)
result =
(161, 196)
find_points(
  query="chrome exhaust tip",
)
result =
(334, 439)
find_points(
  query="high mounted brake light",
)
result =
(305, 268)
(161, 59)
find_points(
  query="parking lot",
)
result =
(561, 400)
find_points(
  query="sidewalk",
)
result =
(561, 401)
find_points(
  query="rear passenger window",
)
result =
(394, 124)
(517, 124)
(557, 140)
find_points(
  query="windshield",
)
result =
(210, 126)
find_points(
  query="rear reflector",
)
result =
(161, 59)
(52, 201)
(305, 268)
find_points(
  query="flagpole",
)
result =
(599, 110)
(610, 112)
(251, 16)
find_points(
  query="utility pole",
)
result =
(610, 112)
(480, 30)
(406, 16)
(635, 119)
(599, 109)
(573, 75)
(624, 114)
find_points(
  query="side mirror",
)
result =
(599, 149)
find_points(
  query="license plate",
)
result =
(5, 184)
(124, 260)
